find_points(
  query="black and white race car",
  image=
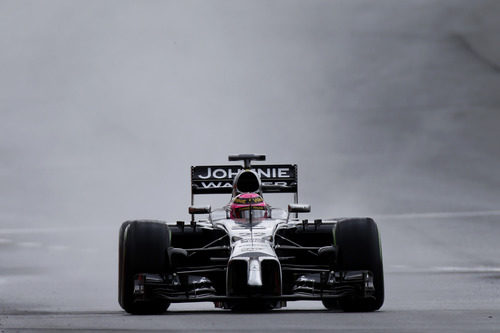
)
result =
(247, 253)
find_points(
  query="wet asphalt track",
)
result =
(441, 276)
(396, 102)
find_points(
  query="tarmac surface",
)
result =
(442, 274)
(391, 109)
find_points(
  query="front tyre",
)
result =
(358, 245)
(142, 249)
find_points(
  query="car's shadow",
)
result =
(180, 312)
(232, 312)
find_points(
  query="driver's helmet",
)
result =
(240, 206)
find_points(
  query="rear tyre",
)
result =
(142, 249)
(358, 245)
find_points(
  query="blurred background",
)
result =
(390, 109)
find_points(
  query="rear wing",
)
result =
(218, 179)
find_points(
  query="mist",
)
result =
(106, 105)
(388, 108)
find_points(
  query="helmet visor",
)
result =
(258, 212)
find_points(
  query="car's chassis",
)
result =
(201, 282)
(263, 260)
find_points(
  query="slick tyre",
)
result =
(142, 249)
(358, 245)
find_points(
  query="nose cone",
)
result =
(254, 273)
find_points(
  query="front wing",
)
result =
(310, 284)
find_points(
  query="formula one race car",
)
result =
(247, 253)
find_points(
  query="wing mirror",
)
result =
(200, 209)
(299, 208)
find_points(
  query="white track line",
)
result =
(5, 241)
(49, 230)
(29, 244)
(442, 269)
(478, 269)
(439, 215)
(433, 215)
(57, 247)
